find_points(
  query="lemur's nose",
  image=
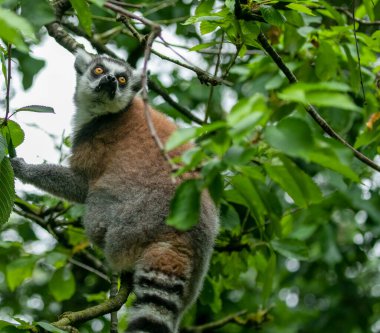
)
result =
(110, 78)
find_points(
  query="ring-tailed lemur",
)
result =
(117, 169)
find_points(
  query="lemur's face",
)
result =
(104, 85)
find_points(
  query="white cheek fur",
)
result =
(91, 104)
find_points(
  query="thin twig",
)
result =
(123, 19)
(233, 59)
(156, 30)
(9, 76)
(357, 50)
(125, 12)
(347, 12)
(203, 76)
(90, 269)
(207, 113)
(113, 293)
(233, 318)
(309, 108)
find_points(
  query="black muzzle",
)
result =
(108, 84)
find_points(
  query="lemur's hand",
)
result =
(19, 166)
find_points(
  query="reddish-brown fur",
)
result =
(127, 144)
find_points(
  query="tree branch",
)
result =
(110, 305)
(233, 318)
(243, 318)
(157, 89)
(310, 108)
(347, 12)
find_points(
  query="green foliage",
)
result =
(36, 108)
(298, 247)
(19, 270)
(184, 209)
(84, 15)
(7, 192)
(14, 29)
(62, 284)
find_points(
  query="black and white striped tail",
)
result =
(159, 302)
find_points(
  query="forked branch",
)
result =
(111, 305)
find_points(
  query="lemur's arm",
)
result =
(55, 179)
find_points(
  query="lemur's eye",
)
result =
(98, 70)
(122, 80)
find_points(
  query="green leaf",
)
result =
(29, 67)
(62, 284)
(84, 15)
(7, 193)
(37, 12)
(99, 3)
(5, 324)
(14, 28)
(229, 218)
(250, 31)
(36, 108)
(326, 63)
(204, 7)
(292, 136)
(269, 277)
(332, 99)
(295, 182)
(368, 4)
(210, 295)
(250, 196)
(3, 147)
(271, 15)
(184, 207)
(202, 46)
(206, 27)
(18, 270)
(3, 68)
(196, 19)
(333, 95)
(49, 327)
(180, 137)
(329, 159)
(183, 135)
(300, 8)
(291, 248)
(246, 115)
(12, 131)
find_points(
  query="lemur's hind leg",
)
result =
(161, 284)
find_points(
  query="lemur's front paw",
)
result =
(18, 165)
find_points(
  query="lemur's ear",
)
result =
(136, 81)
(82, 60)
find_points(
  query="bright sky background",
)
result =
(53, 86)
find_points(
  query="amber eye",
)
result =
(98, 70)
(122, 80)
